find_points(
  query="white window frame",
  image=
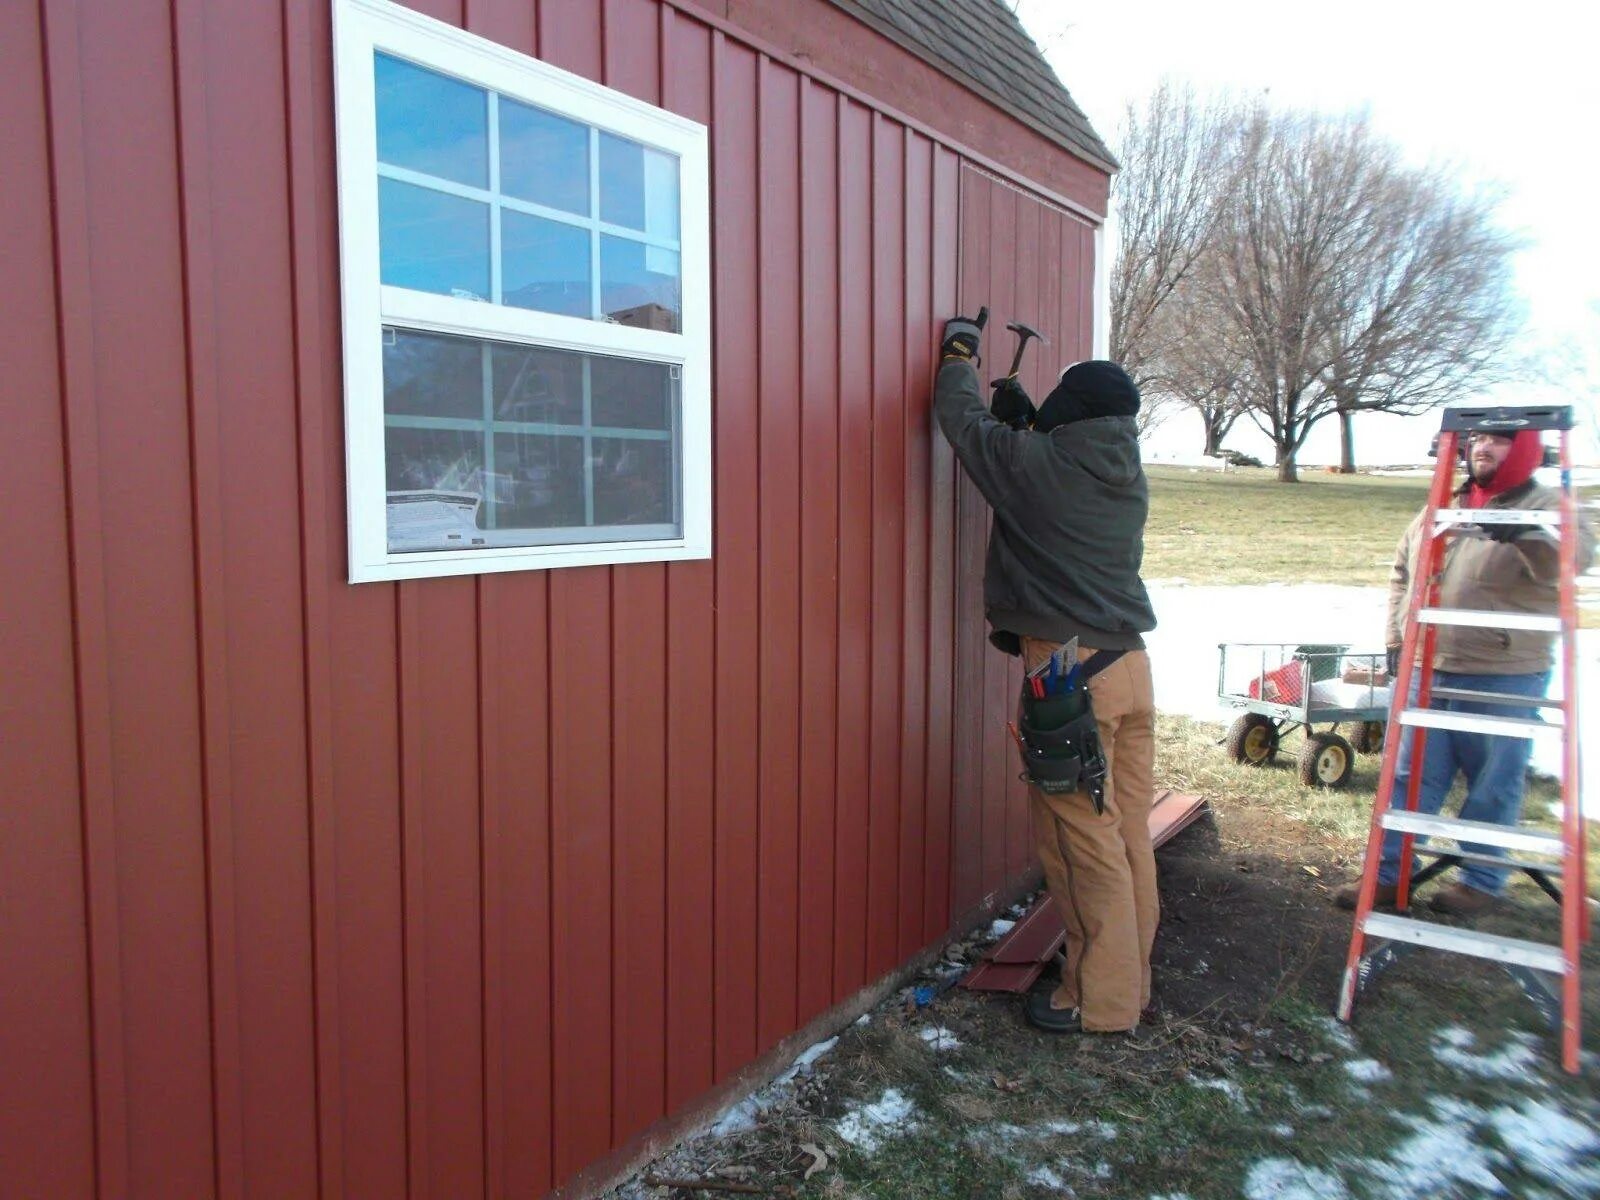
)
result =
(361, 29)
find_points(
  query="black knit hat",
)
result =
(1088, 389)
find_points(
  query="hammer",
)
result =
(1023, 332)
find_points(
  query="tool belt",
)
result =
(1060, 740)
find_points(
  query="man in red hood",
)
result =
(1502, 568)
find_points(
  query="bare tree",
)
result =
(1175, 154)
(1348, 282)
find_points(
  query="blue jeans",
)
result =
(1495, 767)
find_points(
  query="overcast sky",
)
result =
(1508, 94)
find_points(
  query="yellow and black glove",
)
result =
(962, 336)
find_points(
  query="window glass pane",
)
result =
(427, 375)
(540, 483)
(633, 482)
(545, 265)
(638, 187)
(544, 158)
(433, 242)
(445, 459)
(538, 386)
(639, 284)
(630, 395)
(428, 122)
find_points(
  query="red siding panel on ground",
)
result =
(451, 887)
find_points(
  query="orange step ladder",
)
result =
(1378, 939)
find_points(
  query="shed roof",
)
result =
(983, 45)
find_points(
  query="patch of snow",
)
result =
(1283, 1131)
(1045, 1177)
(1227, 1087)
(1172, 1196)
(1286, 1179)
(1368, 1070)
(1100, 1129)
(1001, 927)
(1437, 1155)
(1551, 1145)
(863, 1019)
(741, 1118)
(812, 1053)
(1339, 1032)
(865, 1127)
(1454, 1047)
(939, 1037)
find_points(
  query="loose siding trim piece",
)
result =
(453, 887)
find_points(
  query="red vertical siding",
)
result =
(691, 709)
(737, 549)
(819, 543)
(447, 888)
(46, 1085)
(855, 548)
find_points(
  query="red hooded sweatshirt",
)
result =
(1527, 452)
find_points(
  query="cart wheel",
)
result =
(1253, 739)
(1326, 760)
(1366, 737)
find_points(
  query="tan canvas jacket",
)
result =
(1519, 576)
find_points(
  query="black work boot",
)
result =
(1043, 1015)
(1384, 897)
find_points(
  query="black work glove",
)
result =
(961, 337)
(1506, 533)
(1391, 660)
(1011, 405)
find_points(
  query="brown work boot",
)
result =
(1459, 900)
(1346, 897)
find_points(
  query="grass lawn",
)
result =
(1246, 527)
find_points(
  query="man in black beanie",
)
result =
(1070, 500)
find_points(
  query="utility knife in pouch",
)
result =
(1060, 745)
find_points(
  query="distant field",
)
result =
(1246, 527)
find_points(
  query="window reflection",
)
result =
(639, 284)
(544, 159)
(431, 123)
(432, 242)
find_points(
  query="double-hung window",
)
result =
(526, 296)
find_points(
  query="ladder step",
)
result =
(1506, 419)
(1432, 718)
(1488, 619)
(1553, 870)
(1509, 837)
(1467, 941)
(1502, 698)
(1549, 517)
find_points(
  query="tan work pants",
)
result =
(1101, 869)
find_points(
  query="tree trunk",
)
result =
(1347, 442)
(1286, 466)
(1217, 422)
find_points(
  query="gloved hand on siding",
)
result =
(962, 336)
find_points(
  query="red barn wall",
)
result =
(312, 889)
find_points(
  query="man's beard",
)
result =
(1483, 473)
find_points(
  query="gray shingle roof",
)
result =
(983, 45)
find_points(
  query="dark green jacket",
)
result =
(1069, 512)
